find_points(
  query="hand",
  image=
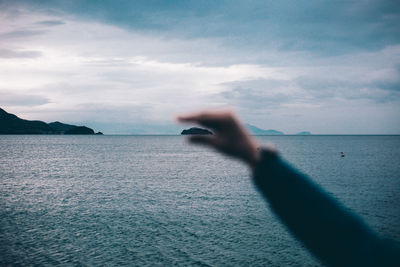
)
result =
(230, 137)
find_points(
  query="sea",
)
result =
(158, 201)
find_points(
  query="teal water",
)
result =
(154, 200)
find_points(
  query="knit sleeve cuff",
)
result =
(268, 159)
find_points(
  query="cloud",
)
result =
(50, 22)
(9, 53)
(282, 65)
(377, 91)
(8, 98)
(326, 28)
(258, 93)
(20, 34)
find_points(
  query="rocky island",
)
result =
(195, 130)
(12, 124)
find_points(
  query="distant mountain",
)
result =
(11, 124)
(60, 127)
(195, 130)
(258, 131)
(304, 133)
(79, 130)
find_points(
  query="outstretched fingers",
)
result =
(212, 120)
(230, 136)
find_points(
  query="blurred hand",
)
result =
(230, 137)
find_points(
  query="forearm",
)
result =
(328, 230)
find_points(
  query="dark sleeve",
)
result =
(331, 232)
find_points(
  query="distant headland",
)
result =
(304, 133)
(11, 124)
(253, 130)
(195, 130)
(258, 131)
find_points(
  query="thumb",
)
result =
(202, 140)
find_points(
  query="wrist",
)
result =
(263, 154)
(254, 156)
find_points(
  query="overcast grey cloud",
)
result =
(22, 34)
(9, 53)
(260, 93)
(50, 22)
(11, 99)
(323, 26)
(287, 65)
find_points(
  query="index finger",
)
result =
(213, 119)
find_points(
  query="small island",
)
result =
(195, 130)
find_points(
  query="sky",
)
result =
(129, 67)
